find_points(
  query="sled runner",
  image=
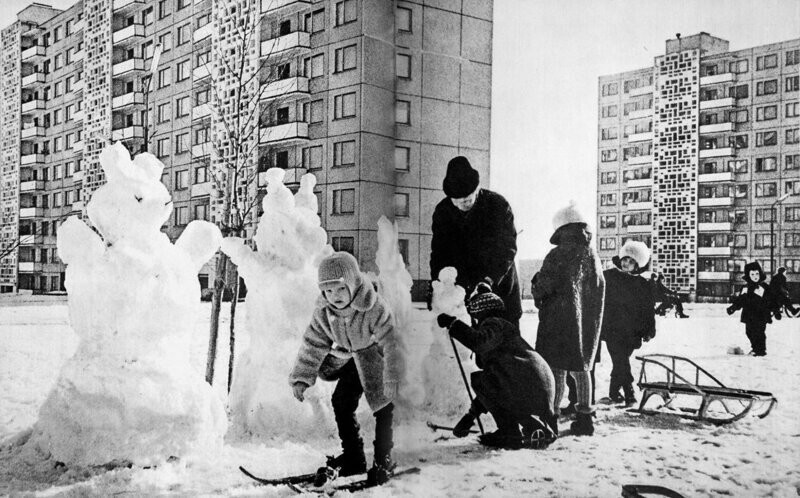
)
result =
(644, 490)
(718, 404)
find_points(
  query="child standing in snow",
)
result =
(756, 304)
(515, 384)
(351, 339)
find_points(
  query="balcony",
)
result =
(715, 177)
(285, 88)
(715, 251)
(28, 240)
(32, 106)
(29, 159)
(31, 212)
(31, 132)
(129, 35)
(78, 116)
(128, 99)
(33, 53)
(201, 72)
(31, 185)
(77, 146)
(640, 137)
(297, 131)
(713, 275)
(128, 67)
(640, 228)
(201, 111)
(203, 32)
(716, 128)
(201, 150)
(640, 206)
(28, 267)
(640, 160)
(642, 90)
(201, 189)
(77, 176)
(33, 79)
(641, 113)
(77, 86)
(78, 56)
(78, 26)
(718, 152)
(725, 226)
(641, 182)
(77, 206)
(126, 7)
(127, 133)
(717, 78)
(715, 201)
(272, 6)
(296, 40)
(715, 103)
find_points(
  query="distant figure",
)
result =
(667, 296)
(756, 303)
(780, 292)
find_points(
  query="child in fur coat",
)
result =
(756, 303)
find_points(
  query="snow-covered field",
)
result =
(752, 457)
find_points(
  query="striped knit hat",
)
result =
(480, 304)
(339, 267)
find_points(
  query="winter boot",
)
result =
(630, 397)
(346, 464)
(583, 425)
(382, 470)
(536, 434)
(502, 439)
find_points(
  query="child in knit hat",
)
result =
(756, 302)
(351, 339)
(515, 384)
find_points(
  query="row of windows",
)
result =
(59, 144)
(57, 171)
(54, 200)
(610, 243)
(762, 165)
(766, 189)
(59, 116)
(770, 61)
(61, 87)
(739, 240)
(642, 173)
(180, 215)
(59, 32)
(45, 255)
(60, 60)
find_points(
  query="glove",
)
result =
(298, 389)
(390, 389)
(730, 310)
(445, 321)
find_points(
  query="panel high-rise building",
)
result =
(699, 157)
(371, 96)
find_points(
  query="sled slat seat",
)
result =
(711, 390)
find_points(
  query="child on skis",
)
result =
(515, 384)
(756, 303)
(351, 339)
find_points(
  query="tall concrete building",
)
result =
(699, 157)
(371, 96)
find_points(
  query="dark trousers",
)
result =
(756, 332)
(572, 389)
(621, 376)
(669, 302)
(345, 402)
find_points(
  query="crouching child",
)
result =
(352, 340)
(515, 384)
(756, 303)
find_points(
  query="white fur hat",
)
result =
(567, 215)
(636, 250)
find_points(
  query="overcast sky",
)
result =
(547, 57)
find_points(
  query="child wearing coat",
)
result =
(351, 339)
(515, 384)
(756, 303)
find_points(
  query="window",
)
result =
(162, 147)
(345, 58)
(740, 192)
(791, 213)
(608, 199)
(280, 159)
(344, 201)
(766, 113)
(792, 187)
(608, 221)
(68, 56)
(791, 161)
(402, 248)
(738, 165)
(793, 136)
(201, 174)
(769, 189)
(344, 106)
(181, 216)
(403, 65)
(184, 33)
(312, 157)
(182, 4)
(201, 212)
(182, 106)
(163, 112)
(738, 141)
(766, 87)
(793, 57)
(181, 179)
(402, 158)
(608, 155)
(766, 62)
(739, 91)
(608, 243)
(609, 89)
(344, 153)
(345, 12)
(201, 96)
(57, 146)
(313, 111)
(345, 244)
(792, 83)
(764, 215)
(163, 9)
(164, 78)
(608, 111)
(313, 67)
(56, 117)
(315, 22)
(69, 169)
(182, 70)
(403, 19)
(608, 177)
(401, 205)
(402, 112)
(791, 239)
(766, 164)
(57, 199)
(792, 110)
(766, 138)
(201, 135)
(166, 41)
(182, 143)
(739, 67)
(58, 89)
(281, 71)
(636, 219)
(609, 133)
(762, 241)
(70, 139)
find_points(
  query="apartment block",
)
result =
(373, 97)
(699, 157)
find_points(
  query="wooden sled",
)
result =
(735, 403)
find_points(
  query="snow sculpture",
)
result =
(282, 292)
(129, 392)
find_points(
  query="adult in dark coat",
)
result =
(568, 290)
(757, 305)
(515, 384)
(629, 316)
(473, 231)
(780, 292)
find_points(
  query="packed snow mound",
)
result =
(129, 392)
(282, 291)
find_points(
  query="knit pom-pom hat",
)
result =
(340, 268)
(482, 304)
(636, 250)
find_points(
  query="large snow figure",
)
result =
(282, 292)
(445, 393)
(129, 392)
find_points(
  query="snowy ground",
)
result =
(752, 457)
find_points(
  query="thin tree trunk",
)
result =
(232, 340)
(216, 303)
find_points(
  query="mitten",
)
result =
(298, 389)
(445, 321)
(730, 310)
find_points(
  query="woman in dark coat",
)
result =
(515, 384)
(757, 304)
(629, 316)
(473, 231)
(568, 291)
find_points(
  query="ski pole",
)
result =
(464, 376)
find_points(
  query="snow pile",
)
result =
(282, 291)
(129, 392)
